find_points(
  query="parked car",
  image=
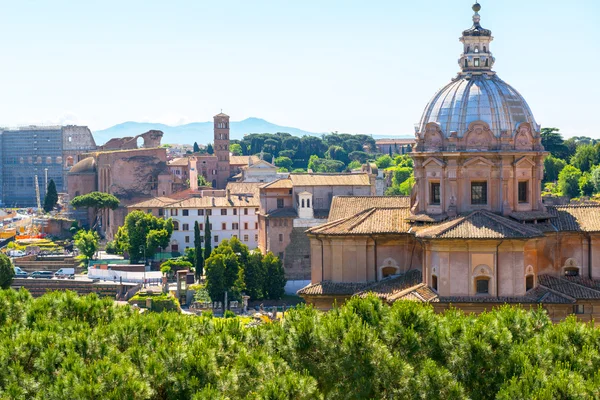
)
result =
(42, 274)
(65, 273)
(19, 273)
(16, 253)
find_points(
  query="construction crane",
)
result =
(37, 194)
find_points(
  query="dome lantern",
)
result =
(476, 57)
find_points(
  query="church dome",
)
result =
(477, 98)
(477, 93)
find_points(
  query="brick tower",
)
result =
(221, 146)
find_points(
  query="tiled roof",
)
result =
(396, 141)
(179, 162)
(156, 202)
(585, 218)
(479, 225)
(346, 206)
(535, 296)
(407, 286)
(368, 222)
(530, 215)
(244, 188)
(287, 212)
(207, 202)
(278, 184)
(312, 179)
(326, 288)
(431, 218)
(575, 288)
(242, 160)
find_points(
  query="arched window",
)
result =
(434, 282)
(482, 285)
(48, 160)
(572, 271)
(466, 63)
(487, 63)
(528, 282)
(302, 203)
(476, 49)
(308, 203)
(468, 49)
(175, 225)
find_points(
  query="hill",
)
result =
(201, 132)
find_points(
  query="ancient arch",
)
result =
(389, 267)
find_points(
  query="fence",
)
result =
(151, 277)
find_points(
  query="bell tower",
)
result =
(221, 147)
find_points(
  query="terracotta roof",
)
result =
(207, 202)
(576, 288)
(479, 225)
(221, 114)
(156, 202)
(430, 218)
(580, 218)
(534, 296)
(407, 286)
(242, 160)
(368, 222)
(530, 215)
(346, 206)
(312, 179)
(179, 162)
(328, 288)
(278, 184)
(244, 188)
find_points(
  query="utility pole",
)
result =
(46, 179)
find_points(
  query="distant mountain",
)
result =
(201, 132)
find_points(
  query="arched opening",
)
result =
(484, 49)
(214, 183)
(434, 282)
(175, 225)
(140, 142)
(302, 203)
(308, 203)
(388, 271)
(487, 63)
(476, 49)
(466, 64)
(528, 282)
(571, 271)
(482, 285)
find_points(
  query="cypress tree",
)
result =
(199, 261)
(51, 197)
(207, 239)
(196, 147)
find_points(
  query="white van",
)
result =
(65, 273)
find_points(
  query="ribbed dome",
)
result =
(477, 98)
(85, 166)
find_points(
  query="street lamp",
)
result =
(143, 250)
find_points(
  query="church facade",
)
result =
(474, 233)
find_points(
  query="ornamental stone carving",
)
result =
(479, 137)
(433, 137)
(523, 139)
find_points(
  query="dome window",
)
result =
(476, 62)
(476, 49)
(484, 49)
(487, 63)
(466, 63)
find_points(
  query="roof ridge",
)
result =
(508, 222)
(556, 292)
(362, 218)
(560, 278)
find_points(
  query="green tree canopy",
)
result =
(87, 243)
(553, 142)
(552, 167)
(215, 276)
(236, 149)
(283, 162)
(196, 147)
(384, 162)
(7, 272)
(139, 227)
(96, 200)
(209, 149)
(275, 281)
(51, 198)
(584, 158)
(568, 181)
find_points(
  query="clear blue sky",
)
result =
(345, 65)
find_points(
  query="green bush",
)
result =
(228, 314)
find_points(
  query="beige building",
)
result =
(289, 206)
(474, 233)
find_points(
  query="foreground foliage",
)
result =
(64, 346)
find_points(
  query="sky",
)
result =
(319, 65)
